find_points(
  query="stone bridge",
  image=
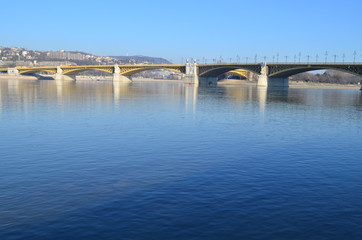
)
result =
(268, 74)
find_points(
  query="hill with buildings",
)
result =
(17, 56)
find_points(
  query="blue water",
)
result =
(93, 160)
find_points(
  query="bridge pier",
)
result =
(192, 79)
(121, 78)
(208, 81)
(117, 77)
(265, 81)
(13, 72)
(191, 75)
(59, 76)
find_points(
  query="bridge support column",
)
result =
(278, 82)
(13, 72)
(59, 76)
(265, 81)
(191, 75)
(208, 81)
(117, 77)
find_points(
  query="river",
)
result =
(153, 160)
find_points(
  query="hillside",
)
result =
(18, 56)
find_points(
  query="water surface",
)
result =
(97, 160)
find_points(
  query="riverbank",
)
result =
(20, 77)
(293, 84)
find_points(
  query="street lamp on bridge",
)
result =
(286, 59)
(326, 55)
(316, 58)
(354, 56)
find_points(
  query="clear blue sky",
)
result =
(186, 28)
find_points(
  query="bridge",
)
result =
(268, 74)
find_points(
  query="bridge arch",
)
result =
(75, 71)
(241, 73)
(281, 71)
(34, 71)
(129, 71)
(215, 71)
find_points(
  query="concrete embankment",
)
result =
(293, 84)
(21, 77)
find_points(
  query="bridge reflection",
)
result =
(25, 94)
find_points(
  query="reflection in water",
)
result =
(262, 98)
(13, 86)
(191, 94)
(120, 90)
(91, 92)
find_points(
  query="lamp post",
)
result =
(238, 58)
(273, 58)
(256, 57)
(286, 59)
(308, 56)
(335, 57)
(299, 55)
(354, 56)
(326, 55)
(247, 58)
(316, 58)
(343, 56)
(277, 57)
(295, 58)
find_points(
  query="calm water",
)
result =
(93, 160)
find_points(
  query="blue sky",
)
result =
(187, 28)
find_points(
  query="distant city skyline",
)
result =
(231, 30)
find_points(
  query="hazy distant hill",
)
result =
(18, 56)
(140, 59)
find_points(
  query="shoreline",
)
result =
(293, 84)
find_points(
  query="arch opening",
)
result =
(290, 71)
(327, 76)
(155, 73)
(93, 74)
(90, 71)
(217, 71)
(38, 72)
